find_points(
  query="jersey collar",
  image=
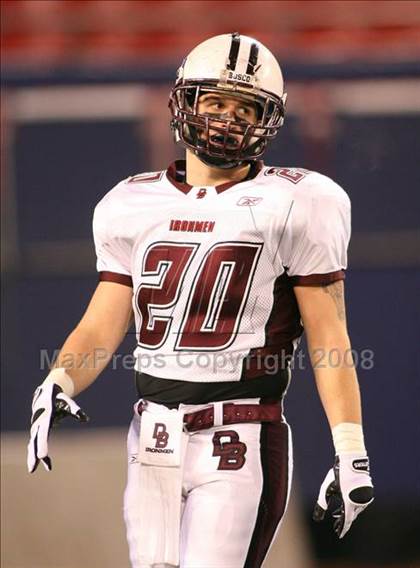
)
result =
(176, 175)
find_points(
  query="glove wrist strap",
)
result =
(60, 377)
(348, 439)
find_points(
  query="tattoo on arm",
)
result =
(336, 291)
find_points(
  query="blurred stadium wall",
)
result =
(84, 94)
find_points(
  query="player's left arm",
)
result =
(324, 317)
(347, 489)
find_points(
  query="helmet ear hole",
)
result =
(190, 95)
(260, 111)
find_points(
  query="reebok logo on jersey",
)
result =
(191, 226)
(250, 201)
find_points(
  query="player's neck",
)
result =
(198, 173)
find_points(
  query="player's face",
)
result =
(232, 108)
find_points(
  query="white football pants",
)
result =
(236, 484)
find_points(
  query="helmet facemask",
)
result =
(220, 140)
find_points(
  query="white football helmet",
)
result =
(228, 64)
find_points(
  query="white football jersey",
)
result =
(213, 268)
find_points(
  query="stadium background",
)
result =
(84, 95)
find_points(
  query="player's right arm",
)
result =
(90, 346)
(85, 353)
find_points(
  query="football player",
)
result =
(223, 261)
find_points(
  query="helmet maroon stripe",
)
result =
(234, 51)
(253, 58)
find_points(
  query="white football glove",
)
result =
(346, 491)
(49, 406)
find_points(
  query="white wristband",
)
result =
(60, 377)
(348, 438)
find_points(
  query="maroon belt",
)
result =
(232, 414)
